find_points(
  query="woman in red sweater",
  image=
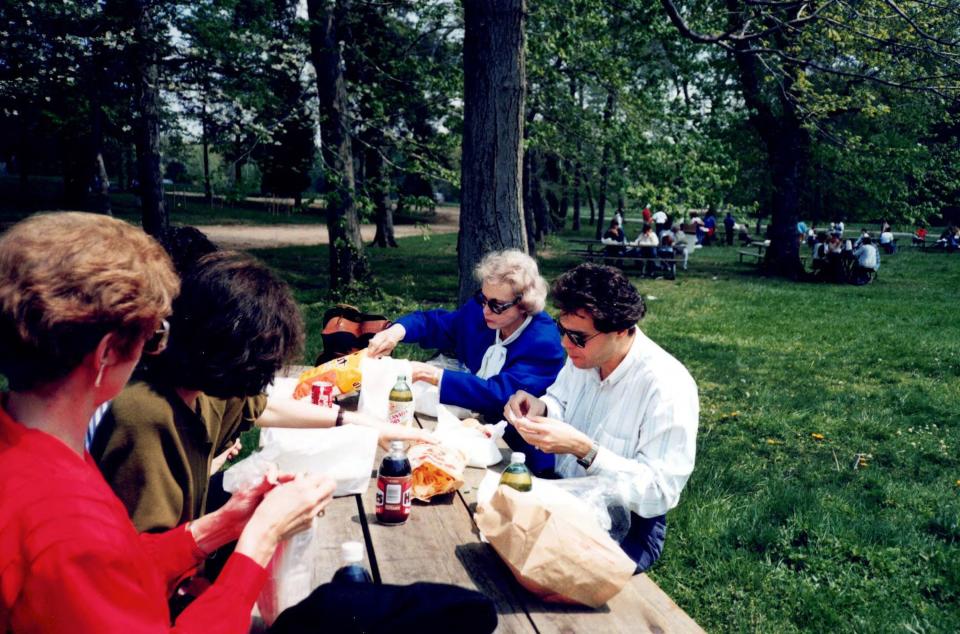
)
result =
(82, 296)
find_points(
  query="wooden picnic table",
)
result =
(440, 543)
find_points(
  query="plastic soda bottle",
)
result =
(394, 484)
(400, 403)
(517, 475)
(352, 571)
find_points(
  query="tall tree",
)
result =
(348, 263)
(148, 31)
(491, 211)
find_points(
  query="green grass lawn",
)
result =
(776, 530)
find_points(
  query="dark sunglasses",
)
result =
(578, 339)
(157, 342)
(497, 308)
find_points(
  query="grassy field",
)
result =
(777, 530)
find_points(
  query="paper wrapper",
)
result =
(557, 553)
(343, 372)
(436, 470)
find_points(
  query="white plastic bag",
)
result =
(481, 450)
(378, 378)
(292, 574)
(344, 453)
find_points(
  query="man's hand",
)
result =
(385, 341)
(553, 436)
(522, 405)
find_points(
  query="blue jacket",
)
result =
(533, 360)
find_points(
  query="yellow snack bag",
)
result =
(343, 372)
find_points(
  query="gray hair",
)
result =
(520, 271)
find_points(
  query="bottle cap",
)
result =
(396, 445)
(351, 552)
(402, 377)
(518, 457)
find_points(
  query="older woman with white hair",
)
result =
(504, 338)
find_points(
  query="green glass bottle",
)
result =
(517, 475)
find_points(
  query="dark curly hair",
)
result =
(602, 291)
(233, 327)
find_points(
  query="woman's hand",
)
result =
(232, 452)
(286, 510)
(385, 341)
(420, 371)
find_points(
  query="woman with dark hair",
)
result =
(234, 326)
(82, 296)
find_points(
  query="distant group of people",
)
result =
(659, 245)
(836, 259)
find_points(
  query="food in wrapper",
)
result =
(436, 470)
(343, 372)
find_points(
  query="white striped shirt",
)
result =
(644, 416)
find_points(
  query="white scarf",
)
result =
(496, 355)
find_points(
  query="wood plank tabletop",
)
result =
(440, 543)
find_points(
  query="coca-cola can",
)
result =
(321, 393)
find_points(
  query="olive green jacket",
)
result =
(155, 452)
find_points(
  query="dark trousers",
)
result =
(644, 540)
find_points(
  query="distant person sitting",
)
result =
(743, 234)
(887, 242)
(614, 239)
(920, 235)
(666, 254)
(819, 262)
(647, 243)
(697, 222)
(867, 261)
(838, 228)
(680, 245)
(729, 226)
(863, 234)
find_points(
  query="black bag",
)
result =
(347, 330)
(360, 608)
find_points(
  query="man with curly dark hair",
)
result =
(620, 405)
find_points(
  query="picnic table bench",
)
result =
(440, 543)
(760, 250)
(595, 250)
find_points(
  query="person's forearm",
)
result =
(287, 412)
(214, 530)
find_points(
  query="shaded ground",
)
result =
(447, 220)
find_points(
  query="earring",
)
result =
(96, 383)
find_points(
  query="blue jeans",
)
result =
(644, 540)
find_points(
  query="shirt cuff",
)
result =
(439, 378)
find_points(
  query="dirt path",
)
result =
(267, 236)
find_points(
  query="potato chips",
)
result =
(436, 470)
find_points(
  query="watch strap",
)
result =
(588, 459)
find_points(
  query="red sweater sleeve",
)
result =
(78, 589)
(175, 554)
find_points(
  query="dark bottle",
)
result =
(394, 482)
(352, 571)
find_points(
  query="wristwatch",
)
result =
(588, 459)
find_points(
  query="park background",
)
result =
(827, 489)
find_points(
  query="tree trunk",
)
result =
(377, 186)
(491, 212)
(348, 263)
(205, 141)
(604, 161)
(593, 211)
(146, 78)
(577, 176)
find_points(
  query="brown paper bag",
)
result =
(553, 547)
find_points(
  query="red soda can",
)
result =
(394, 486)
(321, 393)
